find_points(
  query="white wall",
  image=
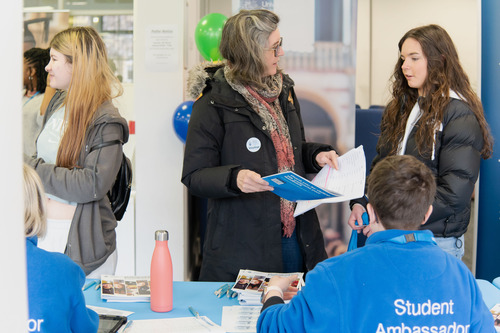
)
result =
(157, 92)
(382, 23)
(12, 245)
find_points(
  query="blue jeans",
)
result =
(452, 245)
(292, 256)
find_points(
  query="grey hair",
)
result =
(244, 38)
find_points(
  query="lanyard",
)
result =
(413, 237)
(31, 97)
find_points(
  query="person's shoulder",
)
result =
(55, 263)
(287, 80)
(459, 115)
(352, 263)
(107, 112)
(203, 76)
(108, 108)
(61, 260)
(457, 108)
(345, 259)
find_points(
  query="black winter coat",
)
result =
(457, 157)
(244, 229)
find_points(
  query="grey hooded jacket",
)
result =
(92, 235)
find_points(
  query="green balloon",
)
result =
(207, 35)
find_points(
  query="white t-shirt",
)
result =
(48, 142)
(413, 118)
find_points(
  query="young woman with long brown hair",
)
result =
(435, 115)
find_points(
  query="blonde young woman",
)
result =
(60, 307)
(76, 178)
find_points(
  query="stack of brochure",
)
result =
(250, 284)
(125, 288)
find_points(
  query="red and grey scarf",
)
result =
(266, 104)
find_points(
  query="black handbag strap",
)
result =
(105, 144)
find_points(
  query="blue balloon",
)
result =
(181, 118)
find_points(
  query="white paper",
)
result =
(349, 180)
(175, 325)
(162, 48)
(240, 319)
(109, 311)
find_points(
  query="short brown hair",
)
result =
(401, 189)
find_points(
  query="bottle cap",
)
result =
(161, 235)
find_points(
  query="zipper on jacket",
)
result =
(445, 226)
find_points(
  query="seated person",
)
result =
(401, 281)
(55, 297)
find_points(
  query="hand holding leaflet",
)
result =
(293, 187)
(349, 180)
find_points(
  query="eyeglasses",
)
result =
(276, 49)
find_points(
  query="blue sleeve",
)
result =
(482, 319)
(83, 319)
(308, 309)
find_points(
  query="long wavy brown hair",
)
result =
(444, 72)
(92, 84)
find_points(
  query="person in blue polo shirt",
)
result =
(401, 281)
(55, 297)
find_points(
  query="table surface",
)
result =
(199, 295)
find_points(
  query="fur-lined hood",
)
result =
(199, 75)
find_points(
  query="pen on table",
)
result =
(194, 312)
(98, 285)
(129, 324)
(88, 285)
(220, 290)
(197, 315)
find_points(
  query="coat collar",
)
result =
(210, 76)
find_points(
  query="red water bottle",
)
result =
(161, 274)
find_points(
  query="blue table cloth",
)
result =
(199, 295)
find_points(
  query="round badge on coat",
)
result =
(253, 145)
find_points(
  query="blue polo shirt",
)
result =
(56, 301)
(383, 287)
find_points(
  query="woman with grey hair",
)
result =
(247, 124)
